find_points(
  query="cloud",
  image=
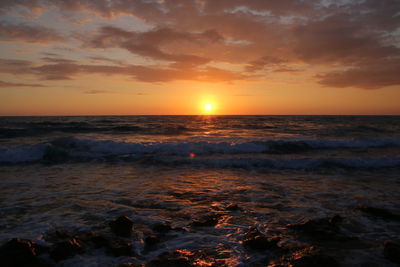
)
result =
(342, 40)
(68, 71)
(28, 33)
(338, 39)
(10, 84)
(152, 43)
(95, 92)
(264, 61)
(372, 76)
(288, 70)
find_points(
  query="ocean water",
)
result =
(78, 173)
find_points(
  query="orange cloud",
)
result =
(28, 33)
(355, 42)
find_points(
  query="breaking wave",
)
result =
(74, 149)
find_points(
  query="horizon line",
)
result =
(127, 115)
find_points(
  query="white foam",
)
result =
(23, 154)
(82, 148)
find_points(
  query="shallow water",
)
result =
(82, 183)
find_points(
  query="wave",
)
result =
(72, 149)
(41, 131)
(288, 164)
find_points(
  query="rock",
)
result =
(40, 249)
(380, 213)
(258, 241)
(122, 226)
(66, 249)
(151, 241)
(391, 251)
(233, 207)
(99, 241)
(17, 252)
(126, 264)
(162, 227)
(312, 257)
(206, 221)
(322, 229)
(168, 259)
(120, 248)
(184, 258)
(60, 235)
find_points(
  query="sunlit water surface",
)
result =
(79, 173)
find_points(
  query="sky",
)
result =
(128, 57)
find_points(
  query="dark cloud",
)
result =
(28, 33)
(68, 71)
(10, 84)
(288, 70)
(15, 66)
(338, 39)
(56, 59)
(265, 61)
(152, 44)
(95, 92)
(371, 76)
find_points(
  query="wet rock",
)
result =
(99, 241)
(254, 239)
(162, 227)
(40, 249)
(233, 207)
(17, 252)
(205, 221)
(122, 226)
(312, 257)
(60, 235)
(126, 264)
(168, 259)
(391, 251)
(322, 229)
(66, 249)
(120, 248)
(151, 241)
(380, 213)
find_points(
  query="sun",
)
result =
(208, 107)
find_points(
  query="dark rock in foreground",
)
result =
(184, 258)
(120, 248)
(233, 207)
(174, 258)
(205, 221)
(254, 239)
(99, 241)
(391, 251)
(122, 226)
(307, 257)
(380, 213)
(126, 264)
(162, 227)
(322, 229)
(114, 246)
(66, 249)
(311, 257)
(151, 241)
(17, 252)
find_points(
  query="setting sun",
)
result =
(208, 107)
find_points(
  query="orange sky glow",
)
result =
(120, 57)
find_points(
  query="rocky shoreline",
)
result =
(319, 242)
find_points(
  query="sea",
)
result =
(229, 190)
